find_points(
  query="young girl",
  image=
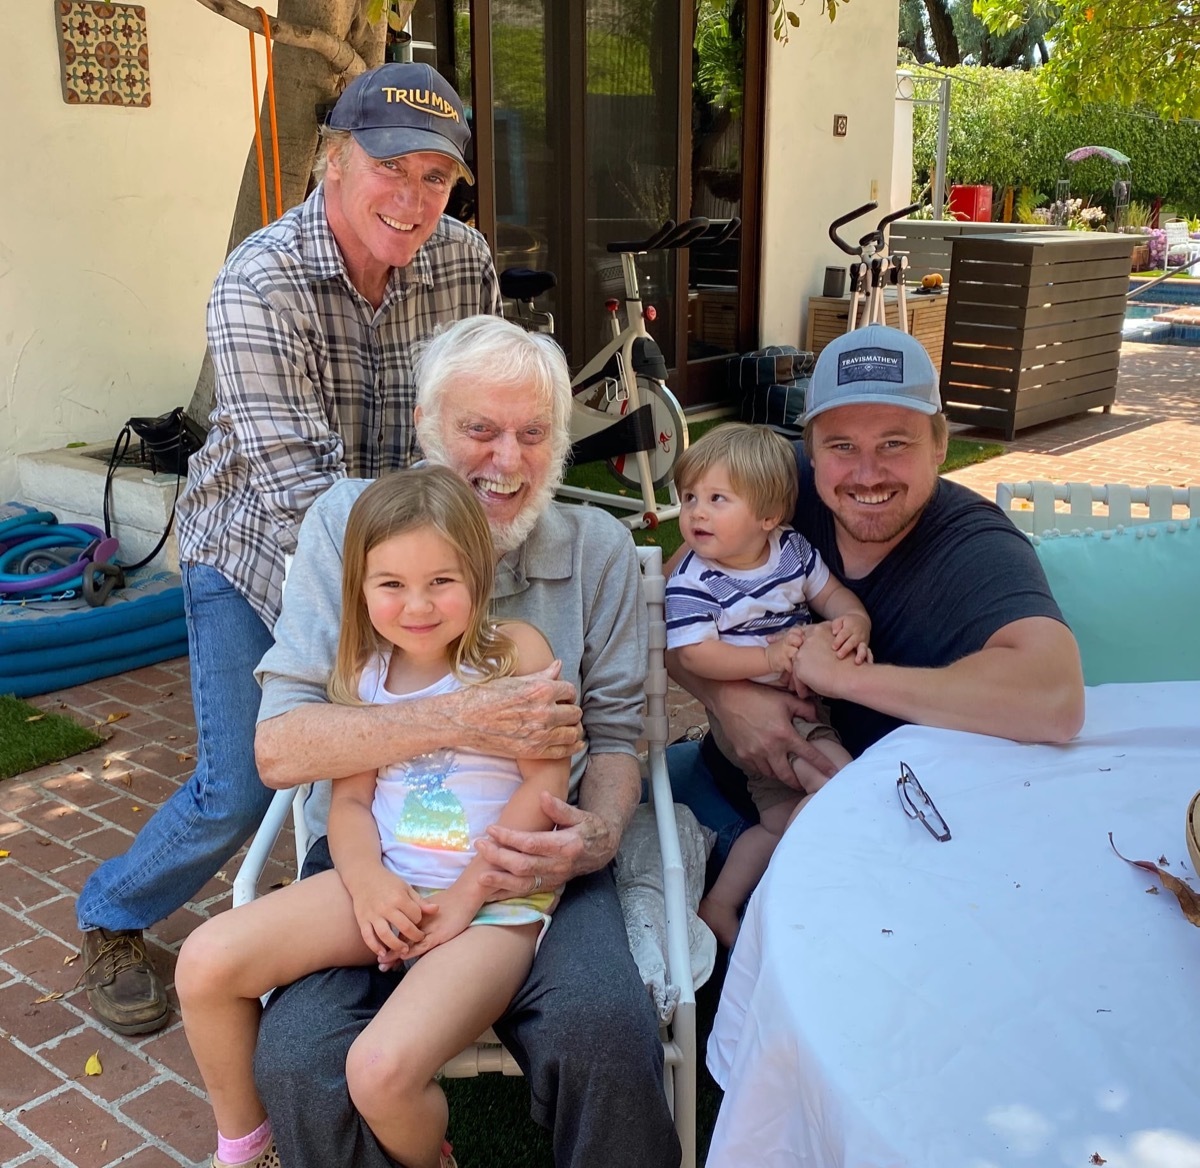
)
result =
(418, 569)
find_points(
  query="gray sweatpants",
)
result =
(582, 1029)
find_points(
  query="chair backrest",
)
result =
(1033, 506)
(1177, 233)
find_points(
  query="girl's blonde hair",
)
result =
(761, 465)
(406, 500)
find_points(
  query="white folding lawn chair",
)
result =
(1179, 243)
(1033, 506)
(679, 1028)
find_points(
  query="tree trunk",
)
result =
(941, 26)
(303, 78)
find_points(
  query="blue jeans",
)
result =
(694, 785)
(201, 826)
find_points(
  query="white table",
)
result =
(1013, 997)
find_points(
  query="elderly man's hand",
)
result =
(524, 862)
(757, 723)
(533, 716)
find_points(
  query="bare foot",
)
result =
(721, 918)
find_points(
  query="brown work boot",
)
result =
(122, 987)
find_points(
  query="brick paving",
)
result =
(146, 1109)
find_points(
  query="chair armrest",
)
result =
(245, 885)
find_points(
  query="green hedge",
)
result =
(1001, 133)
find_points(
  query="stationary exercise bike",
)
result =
(872, 269)
(623, 413)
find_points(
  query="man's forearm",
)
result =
(1007, 690)
(320, 740)
(611, 789)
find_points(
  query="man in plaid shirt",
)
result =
(311, 326)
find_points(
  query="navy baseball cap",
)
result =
(876, 365)
(404, 108)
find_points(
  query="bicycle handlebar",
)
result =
(673, 235)
(842, 220)
(875, 236)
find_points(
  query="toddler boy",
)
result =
(737, 604)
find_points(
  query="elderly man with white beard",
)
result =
(493, 404)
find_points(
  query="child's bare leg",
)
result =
(744, 868)
(231, 960)
(446, 1000)
(810, 778)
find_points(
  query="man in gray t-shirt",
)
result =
(581, 1027)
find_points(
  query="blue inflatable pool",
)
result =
(53, 644)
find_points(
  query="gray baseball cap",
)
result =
(404, 108)
(873, 366)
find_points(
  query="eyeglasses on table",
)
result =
(918, 805)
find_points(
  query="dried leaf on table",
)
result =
(1188, 897)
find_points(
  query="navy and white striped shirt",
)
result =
(706, 602)
(312, 384)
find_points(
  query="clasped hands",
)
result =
(845, 637)
(397, 923)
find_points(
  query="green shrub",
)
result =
(1002, 133)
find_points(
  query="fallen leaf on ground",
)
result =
(1188, 897)
(3, 854)
(135, 807)
(70, 959)
(117, 716)
(47, 998)
(35, 717)
(282, 883)
(45, 843)
(92, 1066)
(106, 764)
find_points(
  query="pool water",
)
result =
(1141, 326)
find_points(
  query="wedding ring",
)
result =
(537, 883)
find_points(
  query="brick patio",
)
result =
(146, 1109)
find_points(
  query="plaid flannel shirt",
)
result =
(312, 385)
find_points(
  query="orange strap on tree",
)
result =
(258, 141)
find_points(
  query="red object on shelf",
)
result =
(971, 202)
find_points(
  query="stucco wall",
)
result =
(113, 223)
(811, 177)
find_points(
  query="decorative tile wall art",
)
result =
(105, 53)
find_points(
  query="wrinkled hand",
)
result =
(389, 915)
(818, 665)
(851, 633)
(532, 716)
(757, 721)
(524, 862)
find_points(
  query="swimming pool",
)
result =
(1141, 326)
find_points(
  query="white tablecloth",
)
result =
(1015, 996)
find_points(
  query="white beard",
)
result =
(509, 536)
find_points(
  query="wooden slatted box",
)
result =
(827, 317)
(1033, 326)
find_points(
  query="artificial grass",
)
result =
(596, 477)
(32, 738)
